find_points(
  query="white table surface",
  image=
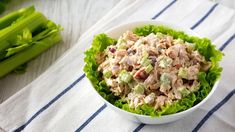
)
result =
(75, 16)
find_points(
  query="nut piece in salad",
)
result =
(156, 70)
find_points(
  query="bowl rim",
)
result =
(174, 27)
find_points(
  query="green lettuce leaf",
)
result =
(100, 42)
(207, 79)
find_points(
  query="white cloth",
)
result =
(61, 99)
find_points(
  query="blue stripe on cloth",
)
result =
(139, 127)
(50, 103)
(214, 109)
(205, 16)
(193, 27)
(91, 118)
(227, 42)
(164, 9)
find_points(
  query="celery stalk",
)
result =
(4, 45)
(8, 19)
(33, 22)
(13, 62)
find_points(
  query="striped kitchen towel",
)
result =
(61, 99)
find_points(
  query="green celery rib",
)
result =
(10, 18)
(13, 62)
(4, 45)
(33, 22)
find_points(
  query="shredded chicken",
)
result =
(154, 69)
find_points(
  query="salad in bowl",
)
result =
(152, 72)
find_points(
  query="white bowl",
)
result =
(118, 31)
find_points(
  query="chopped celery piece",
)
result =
(149, 68)
(195, 86)
(165, 79)
(178, 41)
(145, 62)
(121, 41)
(183, 90)
(122, 46)
(149, 99)
(190, 46)
(139, 89)
(165, 61)
(131, 84)
(145, 55)
(139, 42)
(125, 76)
(183, 73)
(159, 35)
(107, 74)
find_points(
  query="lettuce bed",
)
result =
(207, 79)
